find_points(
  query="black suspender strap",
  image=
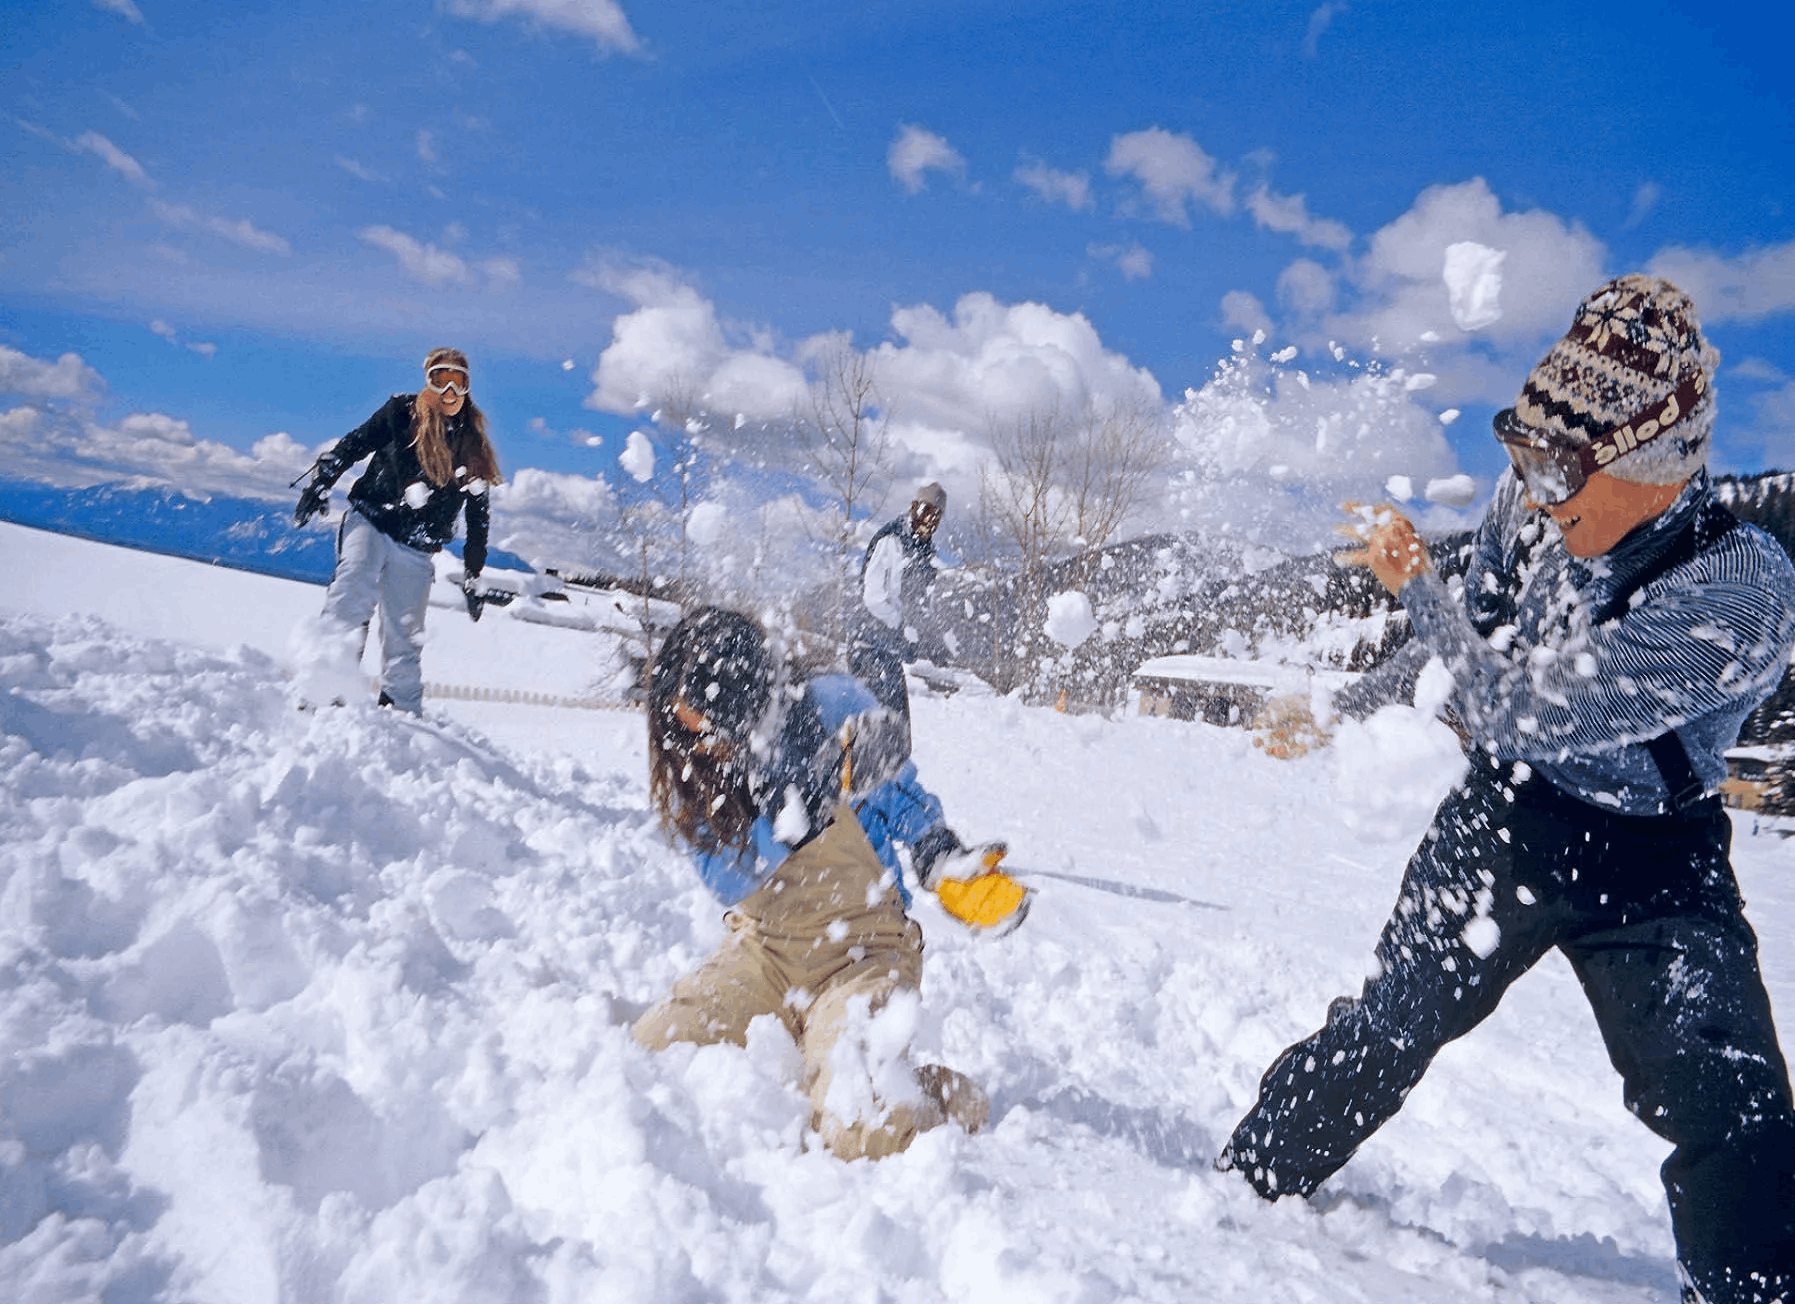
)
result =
(1677, 770)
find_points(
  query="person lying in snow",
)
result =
(791, 798)
(1616, 628)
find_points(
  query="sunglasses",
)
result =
(449, 386)
(1554, 472)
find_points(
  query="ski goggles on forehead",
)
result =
(1554, 472)
(455, 381)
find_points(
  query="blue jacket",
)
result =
(797, 784)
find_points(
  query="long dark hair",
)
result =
(715, 663)
(471, 451)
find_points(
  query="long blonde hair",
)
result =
(472, 450)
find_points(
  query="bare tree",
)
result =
(1023, 517)
(1058, 486)
(1113, 466)
(847, 436)
(679, 412)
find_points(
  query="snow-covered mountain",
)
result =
(245, 533)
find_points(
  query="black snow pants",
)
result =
(1649, 914)
(876, 658)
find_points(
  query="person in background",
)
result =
(431, 462)
(792, 798)
(1616, 626)
(895, 577)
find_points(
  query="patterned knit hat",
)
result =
(1631, 345)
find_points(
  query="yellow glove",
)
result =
(990, 900)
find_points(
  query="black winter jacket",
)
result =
(380, 494)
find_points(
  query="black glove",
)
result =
(939, 844)
(476, 600)
(315, 499)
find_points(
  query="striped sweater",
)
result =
(1698, 649)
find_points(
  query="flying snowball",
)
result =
(1473, 276)
(638, 457)
(1453, 491)
(1069, 618)
(1400, 488)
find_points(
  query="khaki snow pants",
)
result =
(821, 945)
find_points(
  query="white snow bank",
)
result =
(334, 1006)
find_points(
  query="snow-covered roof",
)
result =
(1273, 675)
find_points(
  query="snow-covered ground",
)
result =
(333, 1006)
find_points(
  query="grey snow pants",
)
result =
(377, 573)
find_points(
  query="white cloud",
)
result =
(602, 20)
(1307, 288)
(1547, 266)
(501, 273)
(123, 8)
(146, 447)
(359, 170)
(161, 328)
(915, 152)
(122, 107)
(1319, 22)
(434, 266)
(67, 378)
(945, 379)
(240, 231)
(1289, 215)
(1172, 170)
(426, 141)
(673, 339)
(554, 518)
(1133, 260)
(1755, 284)
(92, 142)
(950, 379)
(1244, 313)
(1762, 369)
(1645, 199)
(1775, 410)
(1073, 189)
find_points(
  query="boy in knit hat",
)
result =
(1616, 626)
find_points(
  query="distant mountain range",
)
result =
(242, 533)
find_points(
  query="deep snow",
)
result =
(334, 1005)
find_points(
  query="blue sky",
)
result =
(248, 222)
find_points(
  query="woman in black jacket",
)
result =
(431, 459)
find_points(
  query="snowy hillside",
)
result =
(334, 1006)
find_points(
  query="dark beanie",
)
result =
(717, 662)
(1630, 344)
